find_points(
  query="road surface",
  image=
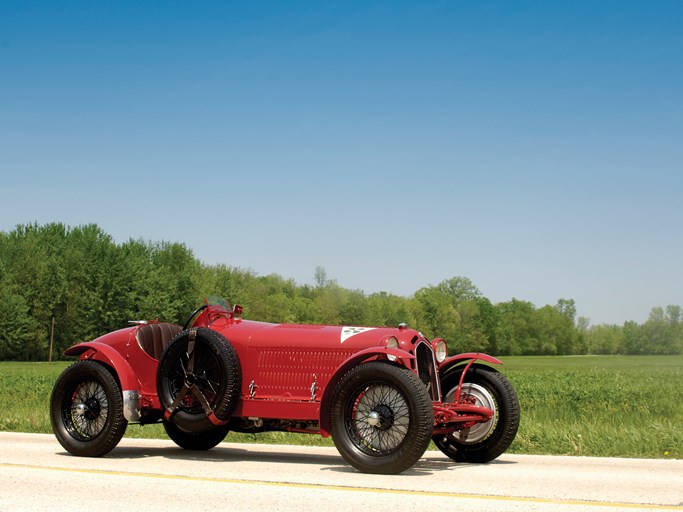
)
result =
(148, 475)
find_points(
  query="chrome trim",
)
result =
(131, 405)
(314, 387)
(373, 419)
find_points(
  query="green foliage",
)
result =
(517, 330)
(87, 283)
(19, 332)
(456, 311)
(91, 285)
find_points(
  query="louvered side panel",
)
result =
(290, 373)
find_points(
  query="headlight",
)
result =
(441, 351)
(391, 343)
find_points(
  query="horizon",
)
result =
(330, 280)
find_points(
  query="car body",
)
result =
(382, 393)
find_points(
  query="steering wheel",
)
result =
(193, 314)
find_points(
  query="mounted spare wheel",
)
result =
(198, 380)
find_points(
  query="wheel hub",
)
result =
(190, 379)
(475, 394)
(381, 417)
(90, 409)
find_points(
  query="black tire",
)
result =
(86, 410)
(196, 440)
(482, 442)
(216, 378)
(381, 418)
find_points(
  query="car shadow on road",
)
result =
(225, 454)
(331, 462)
(432, 465)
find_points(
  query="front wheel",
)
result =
(381, 418)
(86, 410)
(481, 442)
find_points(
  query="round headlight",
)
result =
(391, 343)
(441, 351)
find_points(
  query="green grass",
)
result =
(622, 406)
(25, 395)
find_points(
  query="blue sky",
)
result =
(533, 147)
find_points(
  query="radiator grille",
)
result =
(426, 369)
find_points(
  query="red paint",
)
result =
(293, 368)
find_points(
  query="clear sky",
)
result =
(533, 147)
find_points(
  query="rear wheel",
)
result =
(481, 442)
(196, 440)
(86, 410)
(381, 418)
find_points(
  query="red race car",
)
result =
(381, 393)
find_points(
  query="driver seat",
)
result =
(154, 338)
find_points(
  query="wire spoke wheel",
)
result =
(85, 410)
(379, 419)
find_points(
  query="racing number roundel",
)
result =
(348, 332)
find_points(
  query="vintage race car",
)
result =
(382, 393)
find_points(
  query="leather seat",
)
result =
(154, 338)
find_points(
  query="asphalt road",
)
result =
(37, 474)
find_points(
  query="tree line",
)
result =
(76, 283)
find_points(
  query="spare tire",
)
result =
(198, 380)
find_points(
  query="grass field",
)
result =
(621, 406)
